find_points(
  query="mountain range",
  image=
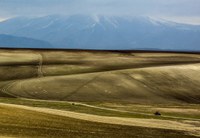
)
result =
(105, 32)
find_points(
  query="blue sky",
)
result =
(180, 10)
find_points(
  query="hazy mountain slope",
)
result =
(22, 42)
(103, 32)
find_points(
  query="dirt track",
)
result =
(151, 123)
(40, 58)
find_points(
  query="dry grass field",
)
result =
(101, 76)
(17, 122)
(79, 87)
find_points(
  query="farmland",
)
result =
(73, 89)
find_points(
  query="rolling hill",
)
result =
(60, 93)
(130, 77)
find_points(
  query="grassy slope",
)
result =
(34, 124)
(65, 63)
(87, 76)
(191, 112)
(69, 107)
(150, 85)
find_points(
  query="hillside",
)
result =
(130, 77)
(9, 41)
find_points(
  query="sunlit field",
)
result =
(63, 93)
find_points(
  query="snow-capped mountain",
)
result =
(106, 32)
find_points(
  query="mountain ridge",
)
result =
(106, 32)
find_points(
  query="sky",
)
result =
(177, 10)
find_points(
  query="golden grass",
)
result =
(43, 122)
(101, 76)
(30, 123)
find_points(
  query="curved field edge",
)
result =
(166, 84)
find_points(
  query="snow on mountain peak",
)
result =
(96, 18)
(112, 21)
(161, 21)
